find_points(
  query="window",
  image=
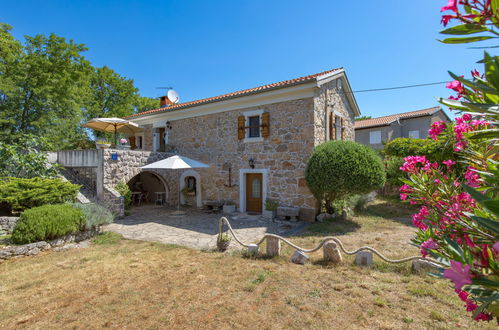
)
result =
(339, 128)
(254, 126)
(375, 137)
(190, 183)
(414, 134)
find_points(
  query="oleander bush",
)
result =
(339, 169)
(19, 194)
(47, 222)
(95, 214)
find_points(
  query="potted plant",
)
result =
(229, 207)
(124, 144)
(189, 191)
(223, 242)
(270, 209)
(102, 144)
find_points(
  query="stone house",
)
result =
(256, 141)
(414, 124)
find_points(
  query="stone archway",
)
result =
(150, 182)
(182, 184)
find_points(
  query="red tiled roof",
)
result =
(387, 120)
(244, 92)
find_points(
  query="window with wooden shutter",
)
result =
(331, 126)
(343, 130)
(338, 128)
(241, 131)
(265, 124)
(133, 146)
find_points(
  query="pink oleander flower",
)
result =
(456, 86)
(472, 178)
(428, 245)
(451, 5)
(458, 274)
(405, 188)
(446, 18)
(403, 197)
(475, 73)
(460, 145)
(437, 181)
(436, 128)
(417, 218)
(467, 117)
(411, 162)
(449, 163)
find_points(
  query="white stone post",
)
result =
(331, 253)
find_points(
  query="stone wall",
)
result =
(328, 99)
(7, 223)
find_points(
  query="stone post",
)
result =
(299, 258)
(331, 252)
(252, 250)
(273, 246)
(364, 258)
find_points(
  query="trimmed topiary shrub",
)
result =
(18, 194)
(339, 169)
(125, 191)
(47, 222)
(95, 214)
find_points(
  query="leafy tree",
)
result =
(110, 95)
(363, 118)
(41, 84)
(24, 158)
(145, 103)
(338, 169)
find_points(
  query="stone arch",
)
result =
(196, 175)
(151, 187)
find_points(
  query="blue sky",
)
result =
(207, 48)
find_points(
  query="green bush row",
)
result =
(18, 194)
(433, 150)
(47, 222)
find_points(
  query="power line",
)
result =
(397, 87)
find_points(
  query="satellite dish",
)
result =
(173, 96)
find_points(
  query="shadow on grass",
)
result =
(331, 227)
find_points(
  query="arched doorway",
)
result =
(149, 183)
(192, 180)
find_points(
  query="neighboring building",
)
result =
(256, 141)
(414, 124)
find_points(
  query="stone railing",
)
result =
(79, 158)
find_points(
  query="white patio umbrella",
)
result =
(113, 125)
(176, 163)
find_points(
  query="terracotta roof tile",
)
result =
(244, 92)
(387, 120)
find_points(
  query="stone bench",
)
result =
(285, 213)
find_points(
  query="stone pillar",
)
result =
(364, 258)
(299, 258)
(331, 252)
(99, 174)
(273, 246)
(252, 250)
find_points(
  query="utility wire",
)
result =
(398, 87)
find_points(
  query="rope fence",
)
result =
(327, 239)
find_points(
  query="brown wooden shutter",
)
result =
(265, 124)
(133, 146)
(343, 129)
(241, 122)
(332, 127)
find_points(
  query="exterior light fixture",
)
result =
(251, 163)
(168, 125)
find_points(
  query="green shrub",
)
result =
(393, 171)
(125, 191)
(339, 169)
(433, 150)
(21, 194)
(95, 214)
(47, 222)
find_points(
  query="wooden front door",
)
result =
(254, 192)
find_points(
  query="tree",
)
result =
(339, 169)
(42, 84)
(110, 95)
(145, 103)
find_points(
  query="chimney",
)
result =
(164, 102)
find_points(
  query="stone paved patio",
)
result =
(196, 229)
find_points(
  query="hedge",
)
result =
(434, 150)
(47, 222)
(19, 194)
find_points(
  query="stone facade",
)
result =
(296, 127)
(8, 223)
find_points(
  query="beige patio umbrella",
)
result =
(113, 125)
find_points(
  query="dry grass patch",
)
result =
(120, 283)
